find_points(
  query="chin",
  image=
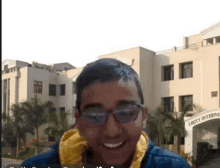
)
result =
(114, 161)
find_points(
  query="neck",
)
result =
(94, 159)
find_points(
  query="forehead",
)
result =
(109, 94)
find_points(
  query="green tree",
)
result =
(58, 125)
(176, 122)
(156, 125)
(18, 124)
(8, 135)
(37, 113)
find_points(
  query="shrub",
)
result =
(21, 153)
(27, 150)
(3, 144)
(186, 156)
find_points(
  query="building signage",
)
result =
(214, 94)
(203, 118)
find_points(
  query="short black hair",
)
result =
(105, 70)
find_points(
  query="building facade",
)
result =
(173, 78)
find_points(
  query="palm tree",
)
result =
(177, 124)
(57, 125)
(156, 125)
(37, 114)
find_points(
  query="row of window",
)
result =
(168, 103)
(186, 71)
(38, 88)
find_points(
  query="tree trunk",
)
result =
(37, 141)
(159, 139)
(25, 145)
(13, 151)
(17, 148)
(179, 144)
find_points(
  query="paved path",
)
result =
(6, 162)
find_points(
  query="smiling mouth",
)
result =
(113, 146)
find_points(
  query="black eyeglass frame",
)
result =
(109, 112)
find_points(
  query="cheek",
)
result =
(134, 128)
(91, 134)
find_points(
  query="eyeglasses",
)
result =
(97, 117)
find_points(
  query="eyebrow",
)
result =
(92, 105)
(125, 102)
(119, 103)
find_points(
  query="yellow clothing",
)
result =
(72, 147)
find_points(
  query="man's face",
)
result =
(109, 96)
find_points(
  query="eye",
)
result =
(92, 116)
(127, 114)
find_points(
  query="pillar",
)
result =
(33, 64)
(16, 90)
(191, 142)
(2, 95)
(185, 42)
(7, 109)
(204, 43)
(175, 146)
(214, 40)
(194, 142)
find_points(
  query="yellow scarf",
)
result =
(72, 147)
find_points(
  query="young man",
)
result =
(110, 120)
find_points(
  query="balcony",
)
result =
(14, 69)
(196, 46)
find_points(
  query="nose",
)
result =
(112, 127)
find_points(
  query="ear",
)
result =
(145, 113)
(144, 120)
(79, 124)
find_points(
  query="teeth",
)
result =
(113, 145)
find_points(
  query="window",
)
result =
(62, 109)
(52, 90)
(182, 140)
(168, 73)
(5, 67)
(74, 87)
(185, 100)
(214, 94)
(62, 90)
(168, 104)
(37, 87)
(187, 70)
(52, 109)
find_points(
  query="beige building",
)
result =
(174, 77)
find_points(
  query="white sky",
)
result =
(74, 31)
